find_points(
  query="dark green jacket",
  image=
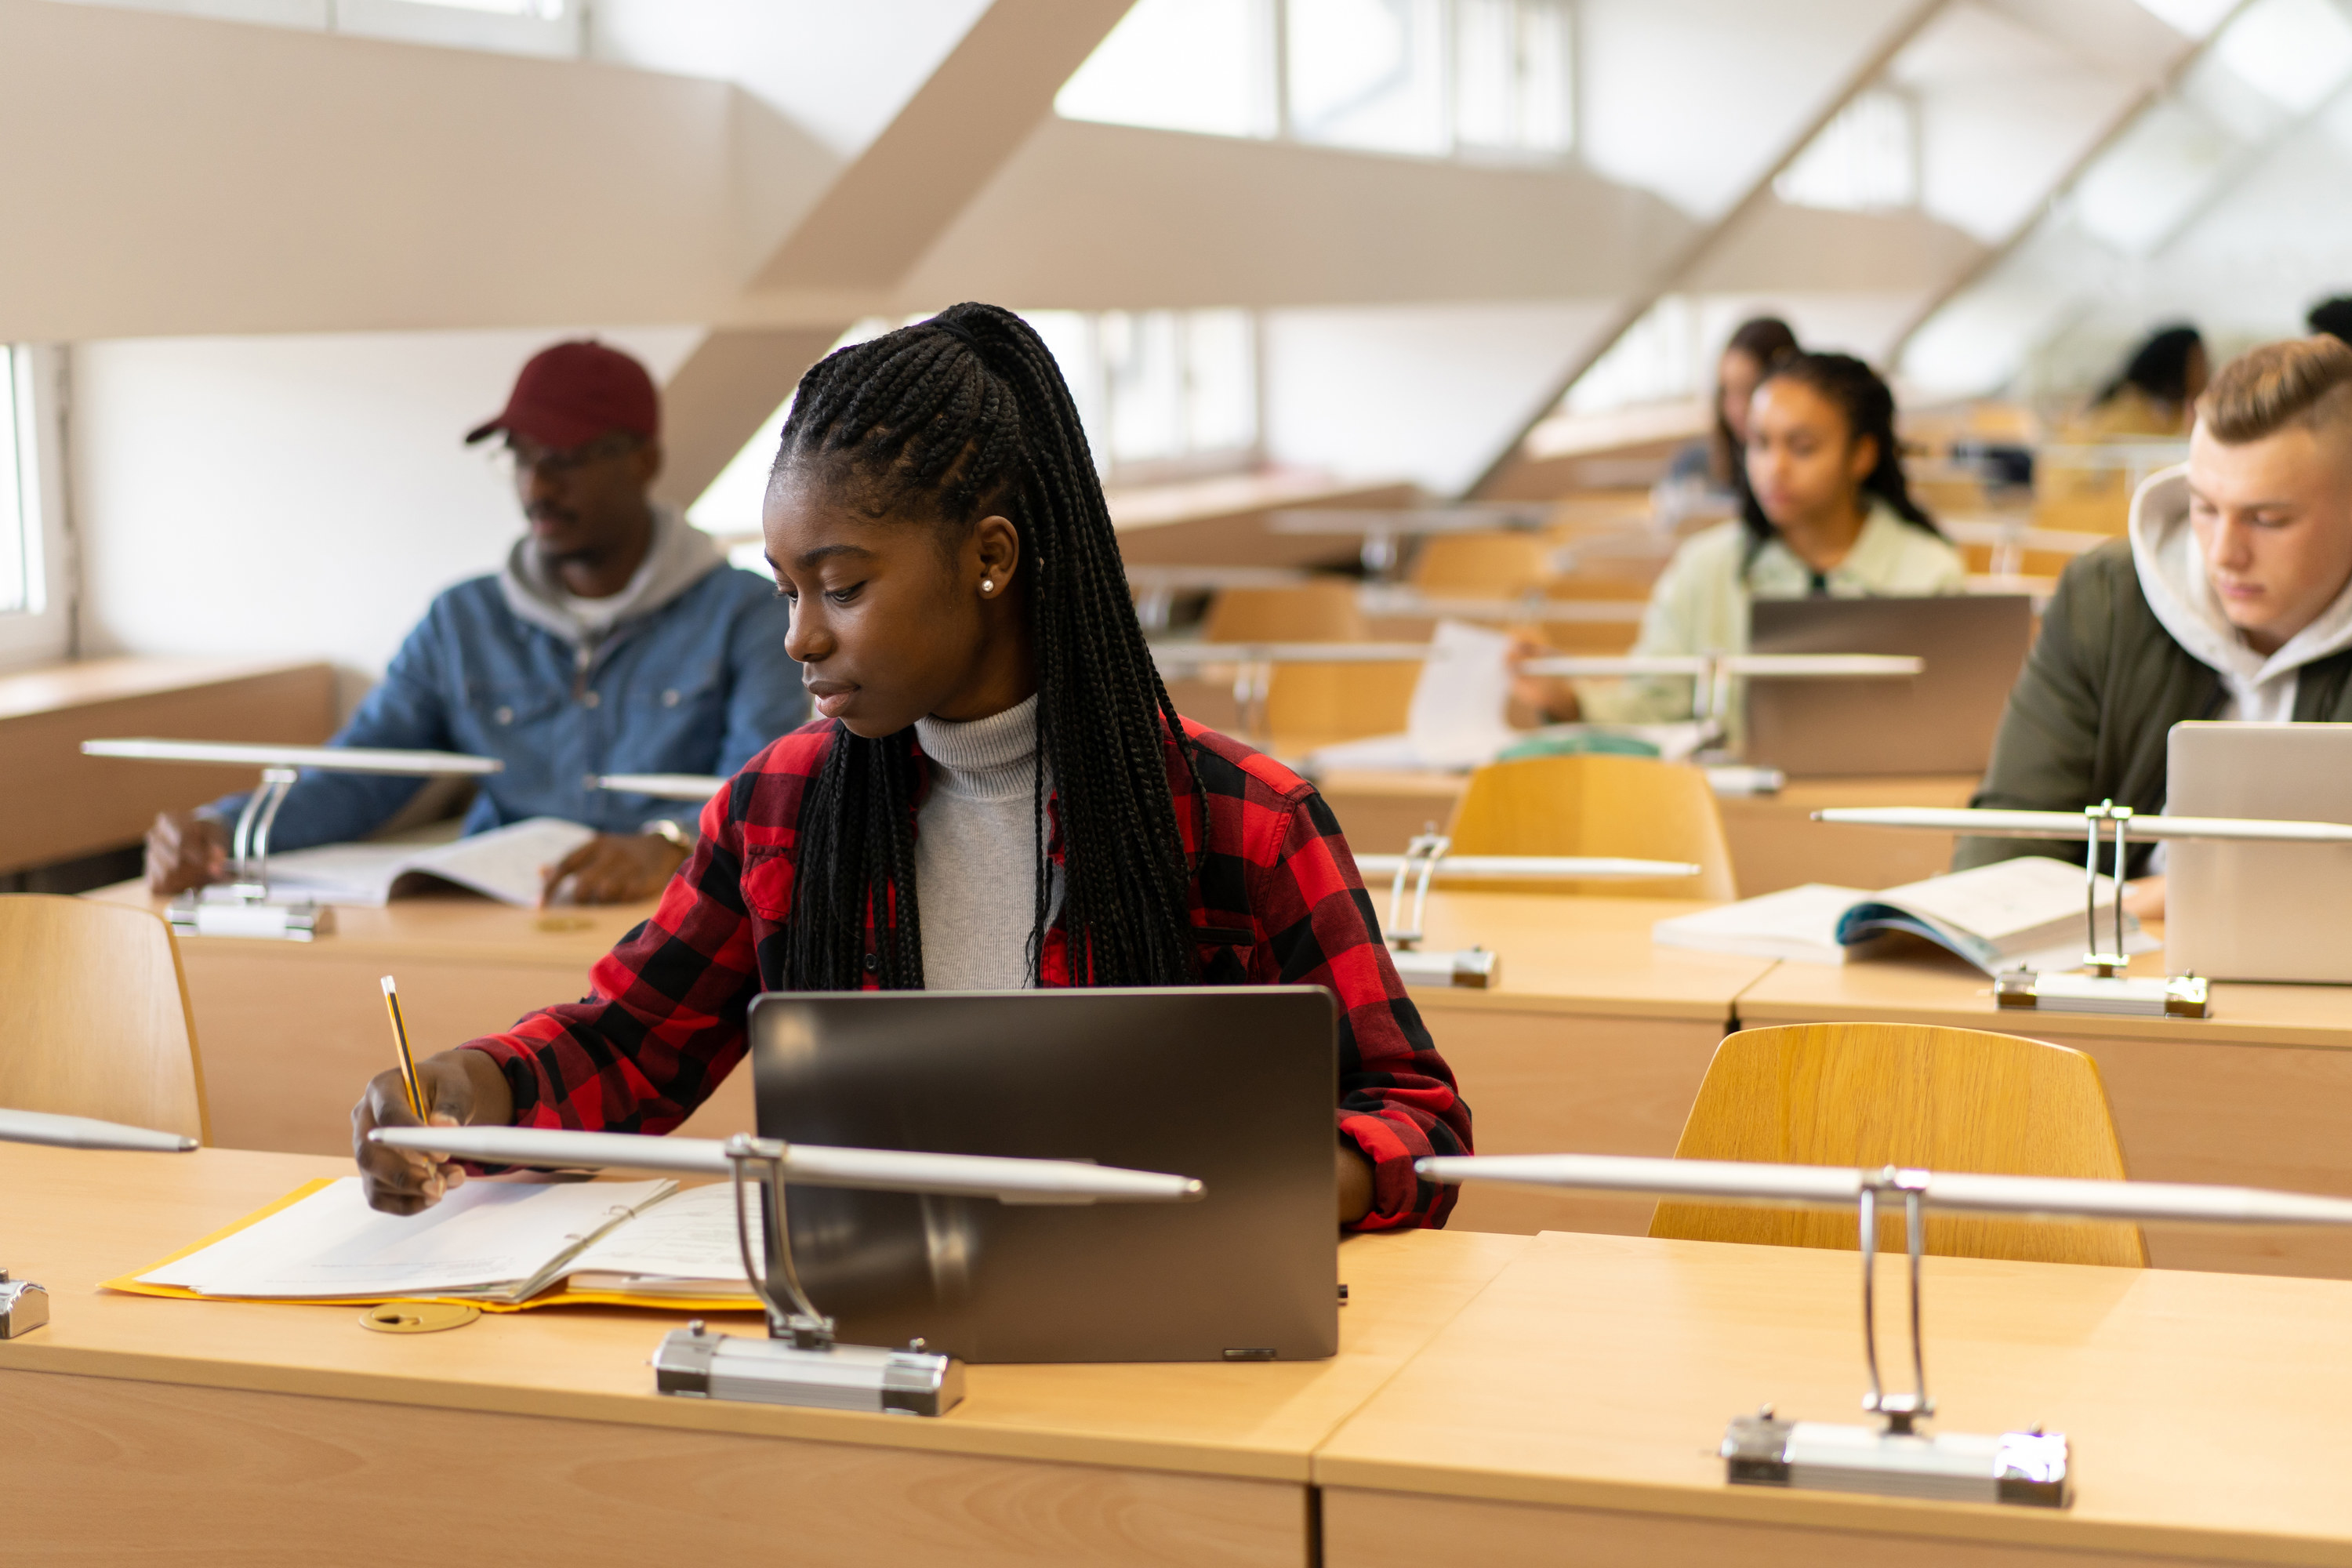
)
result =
(2103, 689)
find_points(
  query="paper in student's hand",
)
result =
(1458, 716)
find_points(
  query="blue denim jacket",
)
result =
(696, 687)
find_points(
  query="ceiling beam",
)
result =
(2156, 92)
(1687, 263)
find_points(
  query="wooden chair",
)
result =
(1322, 611)
(1485, 565)
(1597, 805)
(94, 1015)
(1905, 1094)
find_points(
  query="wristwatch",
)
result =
(663, 828)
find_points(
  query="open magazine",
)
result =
(2026, 913)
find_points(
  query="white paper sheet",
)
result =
(689, 1236)
(484, 1238)
(1458, 715)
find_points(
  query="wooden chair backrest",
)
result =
(1905, 1094)
(1597, 805)
(1310, 705)
(1496, 565)
(1325, 611)
(94, 1015)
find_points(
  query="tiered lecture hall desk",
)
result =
(2258, 1094)
(1570, 1414)
(62, 805)
(1497, 1400)
(223, 1432)
(1775, 843)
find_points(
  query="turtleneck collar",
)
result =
(987, 757)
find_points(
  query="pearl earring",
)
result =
(988, 584)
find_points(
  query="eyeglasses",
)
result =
(528, 457)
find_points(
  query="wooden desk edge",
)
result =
(1991, 1523)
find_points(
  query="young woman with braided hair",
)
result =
(1827, 515)
(997, 793)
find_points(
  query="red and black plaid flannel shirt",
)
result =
(1278, 900)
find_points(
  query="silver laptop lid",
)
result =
(2258, 912)
(1941, 721)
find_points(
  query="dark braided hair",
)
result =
(1869, 409)
(943, 423)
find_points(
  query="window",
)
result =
(1432, 77)
(19, 576)
(547, 27)
(1866, 158)
(1161, 393)
(33, 624)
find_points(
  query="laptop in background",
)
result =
(1941, 721)
(2258, 912)
(1232, 1085)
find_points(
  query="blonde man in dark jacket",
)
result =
(2232, 598)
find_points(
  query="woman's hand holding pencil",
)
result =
(453, 1088)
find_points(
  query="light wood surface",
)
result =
(1912, 1095)
(1595, 1040)
(1600, 806)
(62, 804)
(78, 1218)
(2257, 1095)
(1775, 843)
(1223, 522)
(1324, 609)
(1500, 565)
(1593, 1380)
(293, 1031)
(94, 1015)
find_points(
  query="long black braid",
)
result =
(946, 421)
(1868, 404)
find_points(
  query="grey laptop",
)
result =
(2258, 912)
(1232, 1085)
(1941, 721)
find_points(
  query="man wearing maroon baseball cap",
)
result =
(616, 641)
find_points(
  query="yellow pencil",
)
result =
(400, 1041)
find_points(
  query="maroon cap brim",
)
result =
(545, 427)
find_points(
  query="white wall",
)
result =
(296, 496)
(1415, 391)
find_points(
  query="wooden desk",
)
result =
(1596, 1040)
(1571, 1413)
(231, 1432)
(290, 1032)
(1775, 843)
(62, 804)
(2259, 1095)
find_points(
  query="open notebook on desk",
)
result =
(506, 863)
(2026, 913)
(496, 1244)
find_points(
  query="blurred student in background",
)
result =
(1720, 463)
(1828, 514)
(616, 640)
(2155, 393)
(2232, 598)
(2332, 318)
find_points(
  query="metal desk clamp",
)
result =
(242, 906)
(800, 1362)
(1898, 1459)
(1471, 966)
(2105, 985)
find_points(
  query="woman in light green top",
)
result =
(1829, 514)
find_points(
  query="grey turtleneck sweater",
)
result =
(976, 851)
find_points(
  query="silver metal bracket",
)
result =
(1896, 1459)
(242, 906)
(24, 1307)
(799, 1363)
(1471, 967)
(2146, 996)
